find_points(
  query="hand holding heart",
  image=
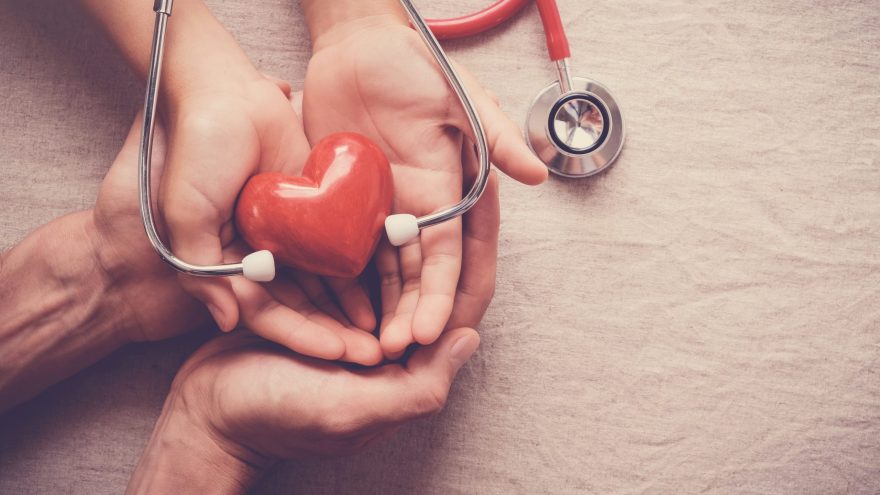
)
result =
(381, 83)
(216, 142)
(328, 220)
(373, 76)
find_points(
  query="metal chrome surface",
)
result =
(163, 10)
(566, 129)
(563, 75)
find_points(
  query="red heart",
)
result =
(329, 220)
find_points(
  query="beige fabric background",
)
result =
(702, 318)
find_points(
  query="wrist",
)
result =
(96, 304)
(81, 270)
(59, 314)
(201, 56)
(331, 21)
(199, 52)
(184, 455)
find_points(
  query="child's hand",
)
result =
(374, 76)
(293, 310)
(218, 136)
(225, 121)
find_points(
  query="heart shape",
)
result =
(327, 221)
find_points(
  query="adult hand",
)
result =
(370, 73)
(241, 403)
(294, 310)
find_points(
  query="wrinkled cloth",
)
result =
(704, 317)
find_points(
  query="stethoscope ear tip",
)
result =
(401, 228)
(259, 266)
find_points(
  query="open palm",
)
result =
(380, 81)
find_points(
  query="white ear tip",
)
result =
(401, 228)
(259, 266)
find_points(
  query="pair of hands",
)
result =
(375, 78)
(242, 395)
(242, 401)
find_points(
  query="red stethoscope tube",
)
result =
(498, 13)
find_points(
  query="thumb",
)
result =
(196, 239)
(507, 148)
(444, 358)
(195, 221)
(391, 395)
(433, 368)
(283, 85)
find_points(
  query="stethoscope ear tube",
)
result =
(402, 228)
(258, 266)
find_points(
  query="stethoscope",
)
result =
(574, 126)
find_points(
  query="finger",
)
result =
(441, 267)
(296, 101)
(289, 146)
(195, 228)
(397, 334)
(355, 301)
(507, 148)
(315, 290)
(479, 258)
(390, 283)
(361, 347)
(197, 209)
(124, 170)
(283, 85)
(270, 319)
(421, 388)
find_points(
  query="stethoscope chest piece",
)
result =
(576, 134)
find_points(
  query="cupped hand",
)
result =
(218, 137)
(242, 403)
(295, 310)
(375, 77)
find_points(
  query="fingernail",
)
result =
(217, 315)
(462, 349)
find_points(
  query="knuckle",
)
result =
(487, 293)
(482, 289)
(432, 400)
(488, 288)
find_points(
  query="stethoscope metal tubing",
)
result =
(476, 190)
(563, 75)
(163, 11)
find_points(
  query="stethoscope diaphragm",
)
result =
(578, 133)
